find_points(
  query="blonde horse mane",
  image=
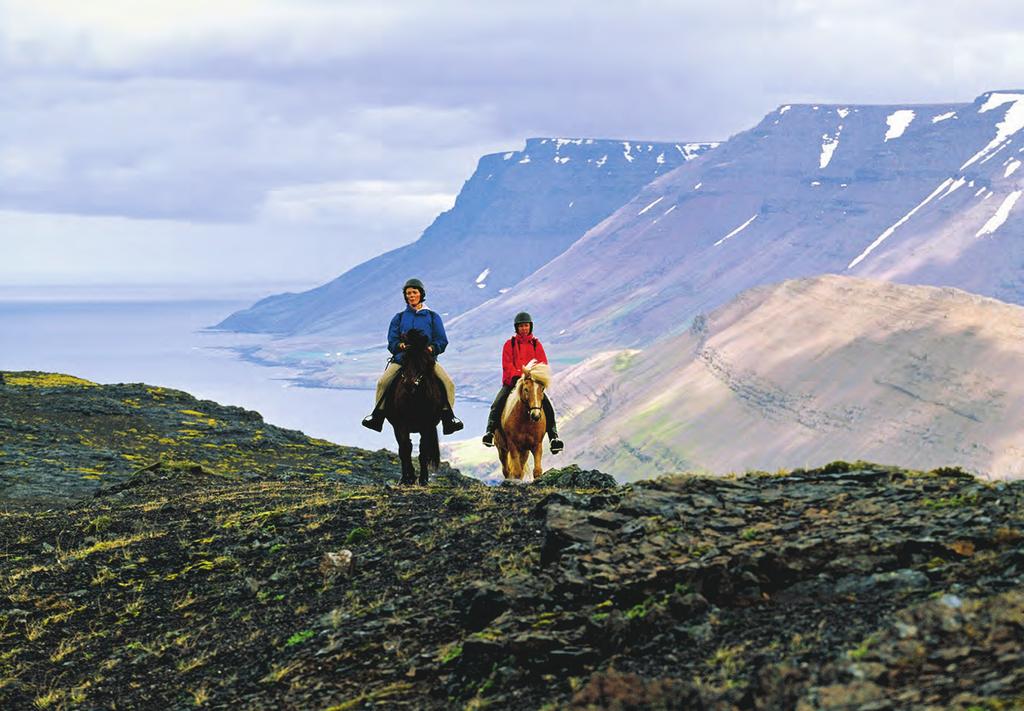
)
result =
(541, 372)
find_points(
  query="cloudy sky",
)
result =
(270, 144)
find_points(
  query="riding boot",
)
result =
(375, 420)
(495, 414)
(449, 422)
(549, 413)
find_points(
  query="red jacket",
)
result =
(519, 351)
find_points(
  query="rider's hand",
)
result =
(401, 346)
(430, 349)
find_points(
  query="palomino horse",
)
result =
(523, 424)
(414, 404)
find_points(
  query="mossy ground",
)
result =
(62, 438)
(189, 591)
(188, 584)
(184, 590)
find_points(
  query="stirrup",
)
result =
(488, 439)
(556, 445)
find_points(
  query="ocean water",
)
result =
(163, 342)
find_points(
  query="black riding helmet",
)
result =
(523, 317)
(415, 284)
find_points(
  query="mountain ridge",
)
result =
(544, 197)
(724, 231)
(810, 370)
(813, 188)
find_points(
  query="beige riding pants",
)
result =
(392, 370)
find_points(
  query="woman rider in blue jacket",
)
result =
(415, 315)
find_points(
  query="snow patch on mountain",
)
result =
(959, 182)
(650, 206)
(898, 122)
(942, 117)
(828, 146)
(1011, 168)
(736, 231)
(1012, 122)
(1002, 212)
(885, 235)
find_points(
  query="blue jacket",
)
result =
(425, 320)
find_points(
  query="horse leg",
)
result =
(515, 462)
(499, 442)
(428, 454)
(526, 476)
(538, 450)
(405, 456)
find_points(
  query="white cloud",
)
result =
(259, 112)
(417, 202)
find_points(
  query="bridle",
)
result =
(525, 397)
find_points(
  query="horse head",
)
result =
(535, 378)
(417, 359)
(415, 340)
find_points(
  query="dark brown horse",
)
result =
(414, 404)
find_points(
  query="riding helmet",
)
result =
(416, 284)
(523, 317)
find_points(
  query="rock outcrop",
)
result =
(63, 438)
(850, 586)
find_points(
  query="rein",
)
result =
(522, 387)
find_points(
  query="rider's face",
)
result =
(412, 296)
(523, 329)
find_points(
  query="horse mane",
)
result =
(541, 372)
(416, 358)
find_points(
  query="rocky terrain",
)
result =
(848, 586)
(62, 438)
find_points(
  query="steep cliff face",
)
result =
(518, 211)
(916, 194)
(809, 371)
(911, 194)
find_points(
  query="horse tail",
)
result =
(430, 448)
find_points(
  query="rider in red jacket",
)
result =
(518, 351)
